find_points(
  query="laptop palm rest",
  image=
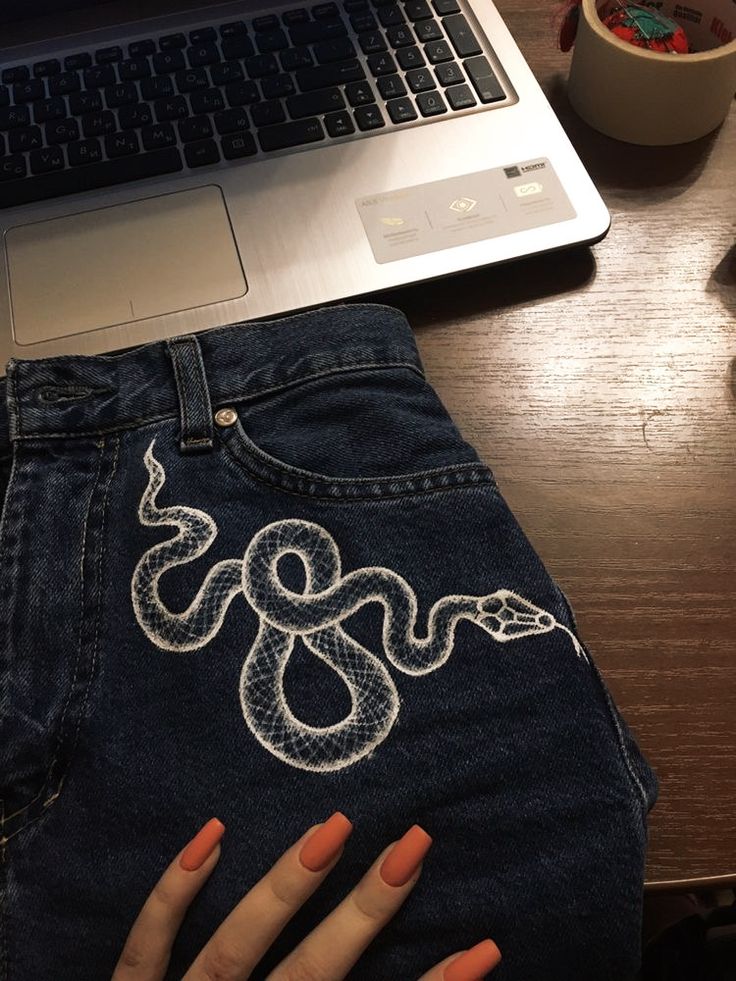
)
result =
(115, 265)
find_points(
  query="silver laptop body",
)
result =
(113, 267)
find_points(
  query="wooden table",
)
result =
(601, 387)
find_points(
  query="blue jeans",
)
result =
(316, 600)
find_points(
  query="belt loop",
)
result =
(195, 409)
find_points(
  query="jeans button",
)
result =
(226, 417)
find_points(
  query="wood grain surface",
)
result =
(600, 385)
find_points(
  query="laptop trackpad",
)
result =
(120, 264)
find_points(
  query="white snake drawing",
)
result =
(314, 615)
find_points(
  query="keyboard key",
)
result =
(271, 41)
(359, 93)
(104, 56)
(325, 11)
(371, 43)
(314, 31)
(339, 124)
(438, 51)
(428, 30)
(133, 68)
(420, 80)
(76, 61)
(29, 91)
(20, 73)
(240, 46)
(74, 180)
(121, 144)
(65, 83)
(462, 37)
(291, 134)
(431, 104)
(268, 22)
(277, 86)
(296, 58)
(444, 7)
(192, 80)
(410, 58)
(232, 29)
(417, 10)
(484, 81)
(139, 49)
(231, 121)
(363, 23)
(25, 138)
(81, 102)
(369, 117)
(52, 66)
(61, 131)
(400, 37)
(158, 87)
(297, 16)
(46, 160)
(449, 74)
(322, 76)
(381, 64)
(340, 49)
(226, 71)
(196, 128)
(13, 167)
(314, 103)
(122, 94)
(460, 97)
(49, 109)
(391, 15)
(202, 54)
(165, 62)
(84, 152)
(174, 107)
(202, 35)
(391, 87)
(131, 117)
(172, 41)
(4, 95)
(14, 116)
(260, 65)
(242, 93)
(209, 100)
(267, 113)
(157, 136)
(98, 76)
(99, 123)
(238, 145)
(401, 110)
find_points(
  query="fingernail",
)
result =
(322, 847)
(202, 845)
(405, 857)
(474, 964)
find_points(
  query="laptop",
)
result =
(168, 167)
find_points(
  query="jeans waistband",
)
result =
(76, 395)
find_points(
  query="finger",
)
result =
(333, 947)
(246, 934)
(467, 965)
(145, 956)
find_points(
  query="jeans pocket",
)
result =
(369, 432)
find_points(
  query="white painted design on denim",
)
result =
(314, 616)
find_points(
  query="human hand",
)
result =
(327, 953)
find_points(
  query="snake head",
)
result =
(506, 616)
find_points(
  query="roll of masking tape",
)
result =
(649, 97)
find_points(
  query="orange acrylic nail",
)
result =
(202, 845)
(474, 964)
(322, 847)
(405, 857)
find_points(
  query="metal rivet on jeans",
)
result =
(226, 417)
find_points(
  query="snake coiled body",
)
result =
(314, 615)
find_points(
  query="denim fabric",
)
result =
(322, 604)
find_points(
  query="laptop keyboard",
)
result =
(217, 95)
